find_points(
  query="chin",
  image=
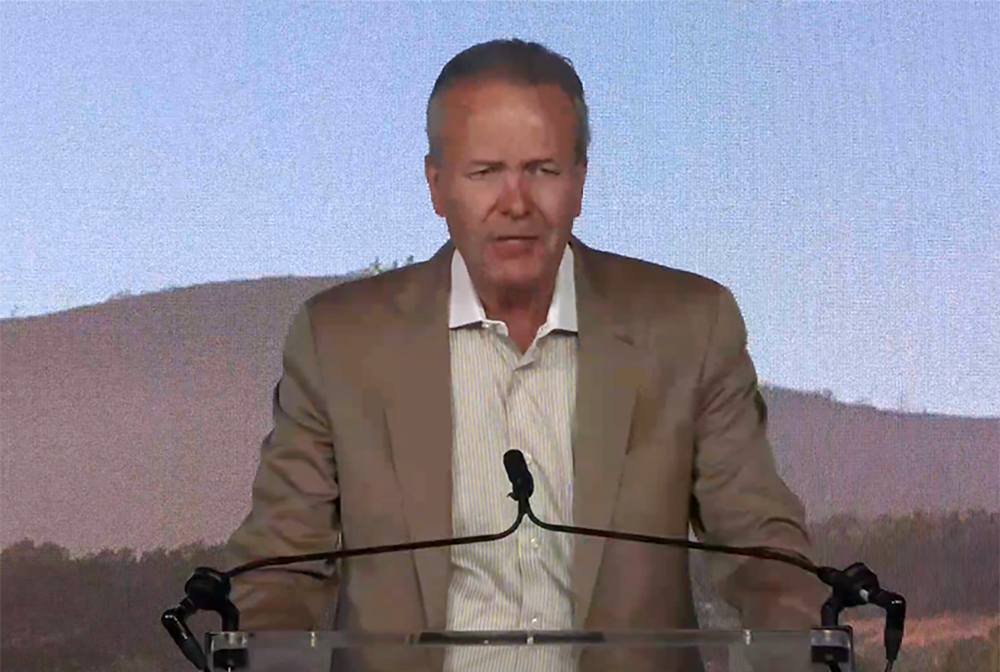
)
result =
(523, 268)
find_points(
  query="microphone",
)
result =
(208, 589)
(521, 482)
(853, 586)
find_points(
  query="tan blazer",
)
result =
(669, 430)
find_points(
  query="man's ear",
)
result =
(582, 176)
(432, 172)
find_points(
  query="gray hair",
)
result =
(517, 62)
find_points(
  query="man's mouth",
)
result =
(508, 246)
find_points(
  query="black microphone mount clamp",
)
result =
(206, 590)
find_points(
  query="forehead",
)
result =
(495, 113)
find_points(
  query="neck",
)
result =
(529, 305)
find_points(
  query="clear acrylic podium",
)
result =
(816, 650)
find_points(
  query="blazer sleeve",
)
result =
(739, 498)
(295, 500)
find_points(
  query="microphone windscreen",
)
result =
(517, 472)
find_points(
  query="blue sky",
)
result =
(837, 165)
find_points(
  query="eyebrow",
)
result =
(533, 162)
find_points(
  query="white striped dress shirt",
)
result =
(502, 399)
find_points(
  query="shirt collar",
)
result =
(465, 306)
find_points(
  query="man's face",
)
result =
(508, 185)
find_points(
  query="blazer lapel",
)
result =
(418, 413)
(609, 370)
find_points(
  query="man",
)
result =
(626, 384)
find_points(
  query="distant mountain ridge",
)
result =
(137, 422)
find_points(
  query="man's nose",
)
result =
(515, 197)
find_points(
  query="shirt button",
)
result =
(534, 542)
(528, 458)
(534, 623)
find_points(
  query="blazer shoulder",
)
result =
(649, 281)
(361, 299)
(671, 310)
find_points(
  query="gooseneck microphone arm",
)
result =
(373, 550)
(523, 486)
(208, 589)
(852, 587)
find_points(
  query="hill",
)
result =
(136, 423)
